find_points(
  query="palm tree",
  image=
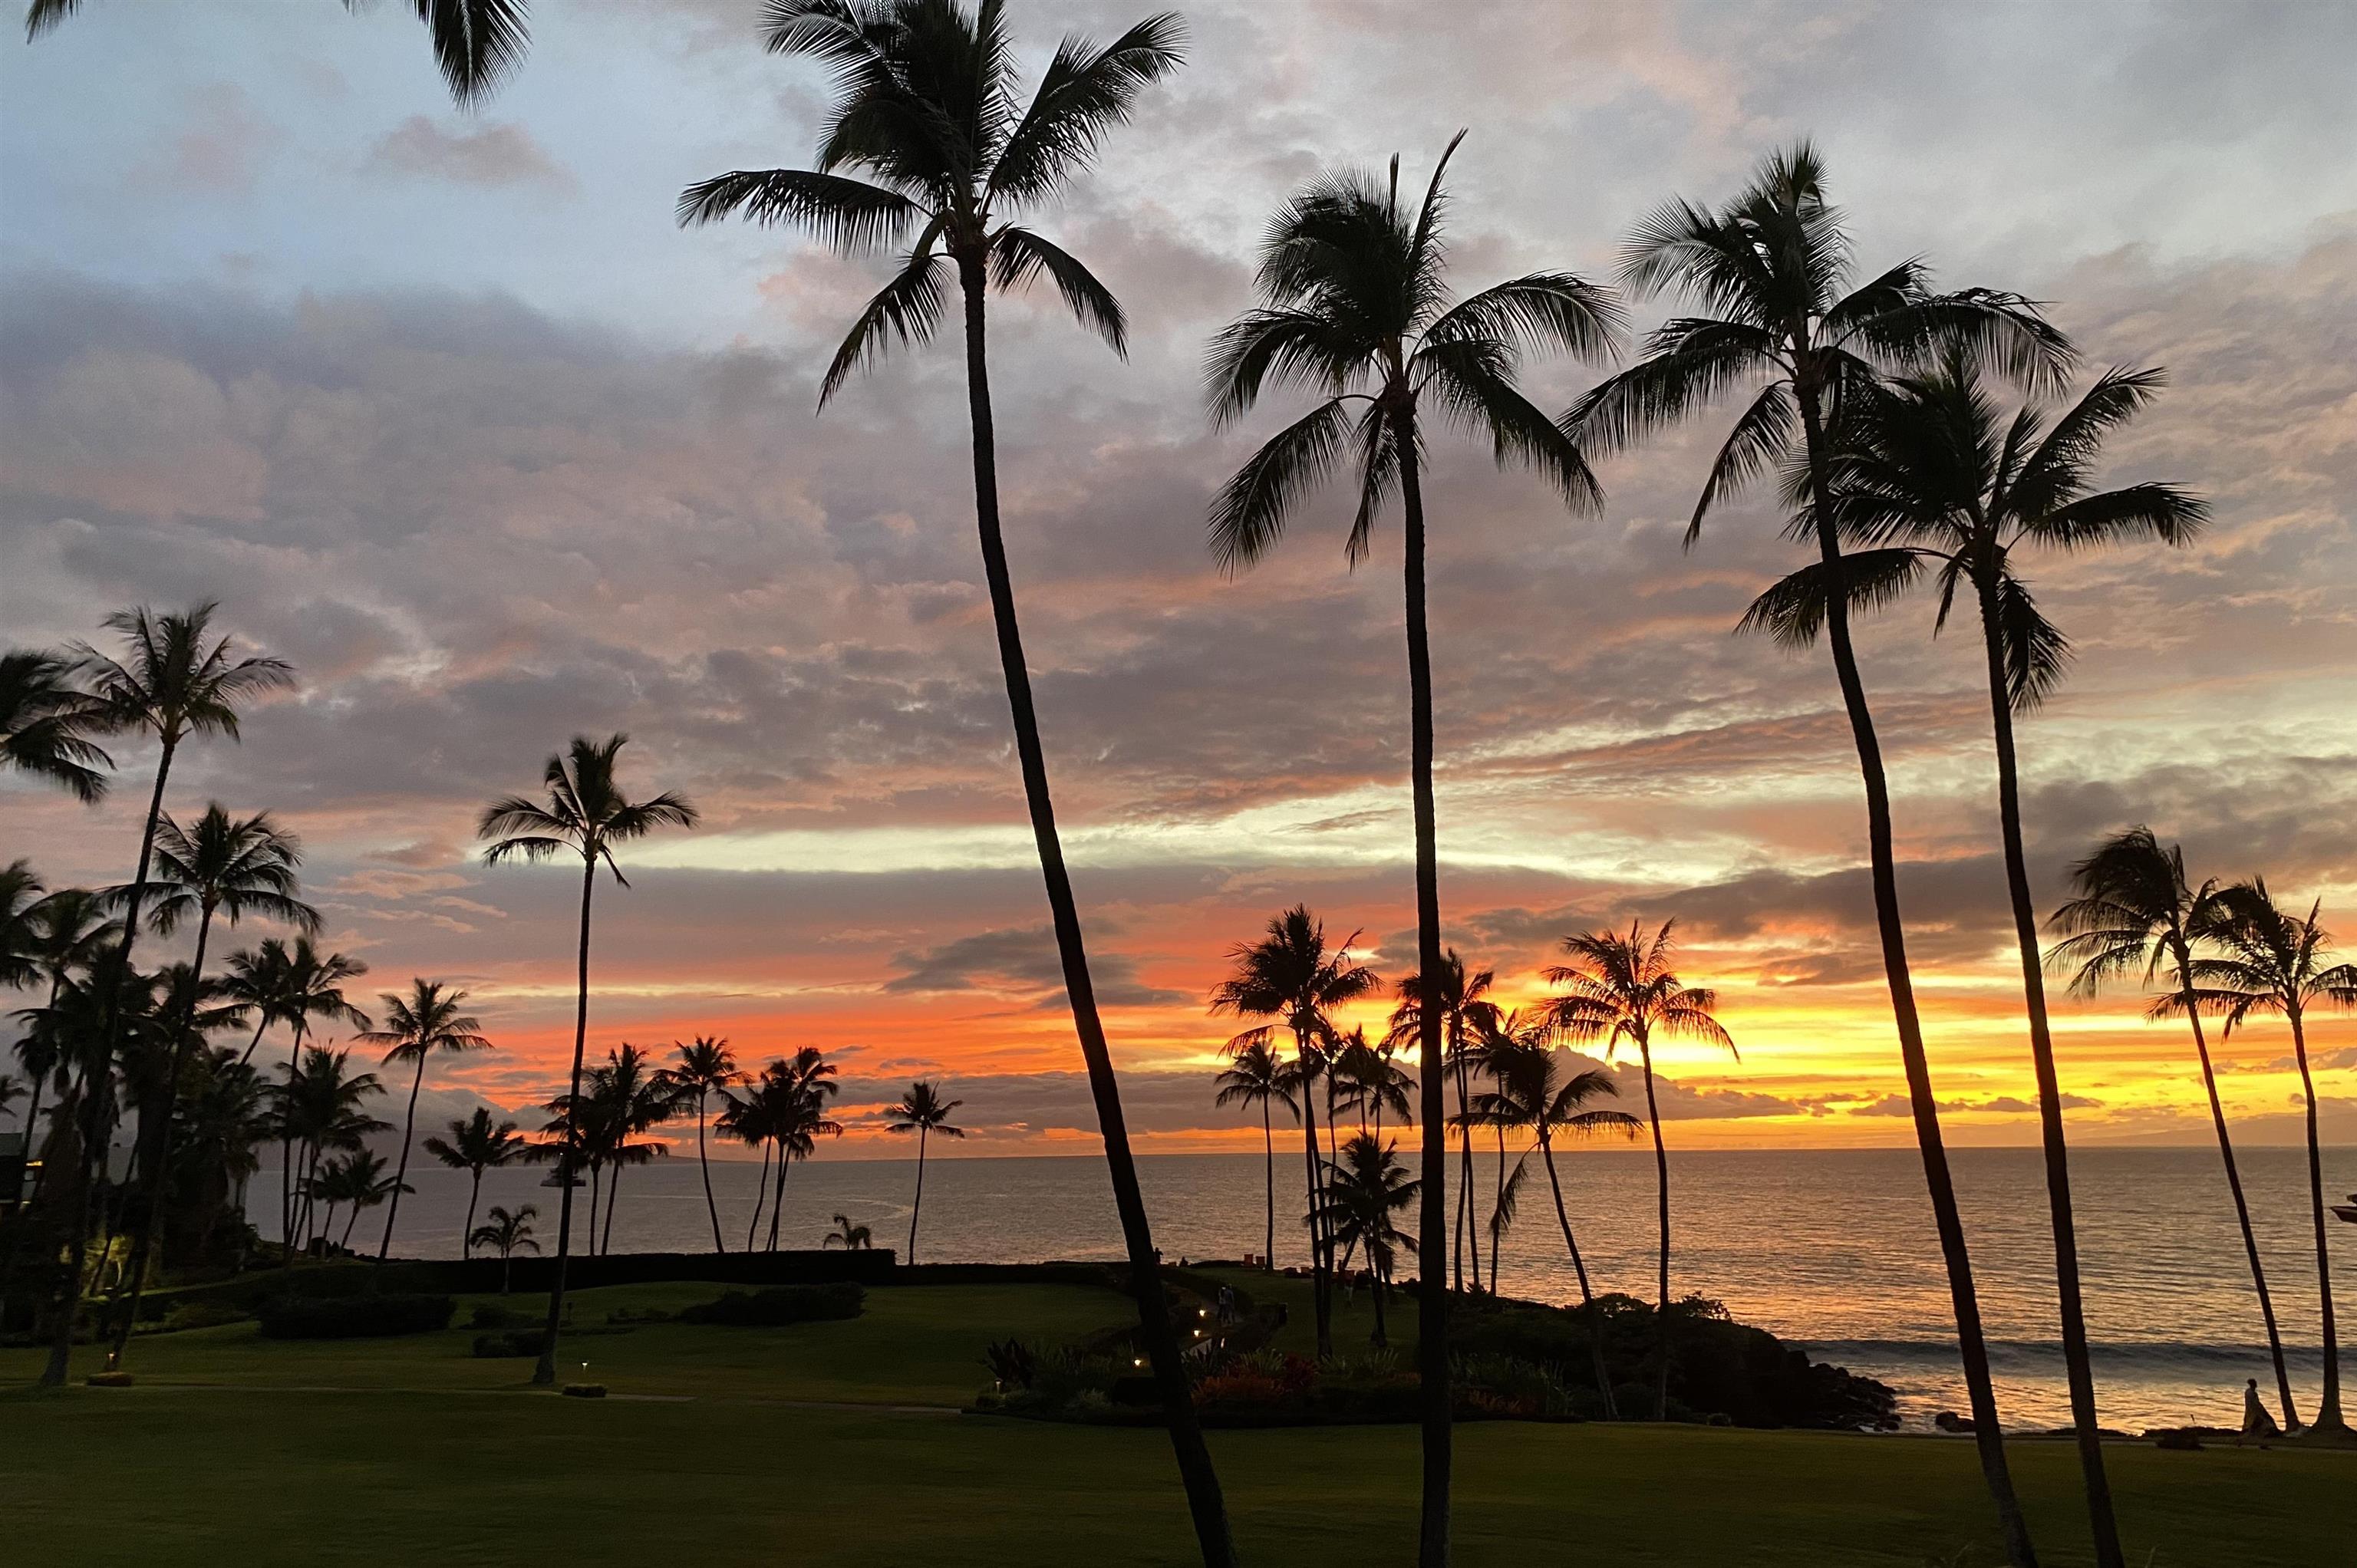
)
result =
(46, 720)
(705, 1067)
(1365, 1189)
(358, 1178)
(424, 1024)
(585, 814)
(1772, 267)
(798, 1089)
(475, 1145)
(926, 108)
(1622, 988)
(2269, 961)
(1532, 1094)
(321, 1109)
(1290, 977)
(923, 1111)
(849, 1237)
(1370, 1081)
(628, 1100)
(225, 866)
(173, 683)
(477, 43)
(1256, 1075)
(751, 1120)
(1463, 1004)
(65, 933)
(311, 987)
(2136, 915)
(507, 1233)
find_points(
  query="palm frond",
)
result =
(1557, 310)
(477, 43)
(1084, 92)
(905, 311)
(1686, 363)
(1794, 611)
(1018, 255)
(1293, 346)
(848, 215)
(1761, 434)
(1473, 389)
(1250, 512)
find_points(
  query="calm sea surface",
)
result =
(1832, 1249)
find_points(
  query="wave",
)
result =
(2154, 1354)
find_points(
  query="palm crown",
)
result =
(425, 1022)
(703, 1067)
(2268, 959)
(46, 720)
(925, 108)
(1292, 976)
(175, 679)
(2135, 914)
(1256, 1073)
(922, 1109)
(1622, 988)
(234, 866)
(586, 811)
(478, 1143)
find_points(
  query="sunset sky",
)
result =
(446, 410)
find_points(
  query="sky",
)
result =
(444, 409)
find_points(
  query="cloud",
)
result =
(497, 154)
(1022, 961)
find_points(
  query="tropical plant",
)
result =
(507, 1233)
(2268, 961)
(926, 108)
(585, 814)
(1256, 1075)
(321, 1109)
(1462, 997)
(63, 934)
(424, 1024)
(2134, 920)
(626, 1100)
(798, 1089)
(705, 1067)
(46, 720)
(1371, 1082)
(360, 1180)
(752, 1119)
(1366, 1187)
(923, 1111)
(475, 1145)
(311, 986)
(20, 953)
(174, 681)
(1772, 269)
(849, 1237)
(1621, 990)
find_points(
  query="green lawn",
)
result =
(418, 1454)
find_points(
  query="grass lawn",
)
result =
(422, 1455)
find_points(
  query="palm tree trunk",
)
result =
(507, 1271)
(1204, 1501)
(2078, 1367)
(286, 1151)
(1321, 1248)
(1497, 1226)
(1971, 1344)
(1268, 1171)
(1579, 1267)
(1662, 1193)
(1468, 1233)
(401, 1172)
(2328, 1410)
(778, 1199)
(100, 1090)
(1432, 1238)
(613, 1201)
(543, 1371)
(704, 1162)
(2234, 1186)
(917, 1206)
(467, 1237)
(145, 1236)
(345, 1240)
(761, 1195)
(597, 1185)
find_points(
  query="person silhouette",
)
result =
(2256, 1421)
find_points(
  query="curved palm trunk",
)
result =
(1971, 1343)
(1321, 1244)
(286, 1205)
(1662, 1193)
(400, 1174)
(2234, 1186)
(100, 1092)
(703, 1163)
(2328, 1410)
(345, 1240)
(1432, 1237)
(1204, 1501)
(2078, 1367)
(543, 1371)
(761, 1196)
(1579, 1267)
(778, 1199)
(474, 1196)
(917, 1206)
(1468, 1233)
(613, 1201)
(1497, 1214)
(1269, 1164)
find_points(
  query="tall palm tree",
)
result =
(798, 1088)
(1774, 270)
(923, 1111)
(47, 719)
(321, 1109)
(585, 814)
(1355, 308)
(1622, 988)
(475, 1145)
(507, 1233)
(1371, 1082)
(629, 1099)
(1256, 1075)
(424, 1024)
(228, 867)
(1293, 979)
(750, 1119)
(20, 951)
(705, 1067)
(2134, 916)
(1535, 1096)
(926, 108)
(477, 43)
(358, 1178)
(310, 988)
(1365, 1189)
(174, 681)
(2269, 961)
(1463, 1002)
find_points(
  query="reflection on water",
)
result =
(1832, 1248)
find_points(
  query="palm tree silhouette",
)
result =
(64, 933)
(798, 1089)
(1366, 1187)
(923, 1111)
(476, 1144)
(751, 1120)
(926, 100)
(628, 1100)
(320, 1110)
(1370, 1082)
(2135, 916)
(705, 1067)
(173, 683)
(585, 814)
(225, 866)
(507, 1233)
(310, 987)
(46, 720)
(1256, 1075)
(849, 1237)
(2271, 962)
(358, 1178)
(1534, 1095)
(424, 1024)
(1772, 265)
(1463, 1002)
(1291, 977)
(1622, 988)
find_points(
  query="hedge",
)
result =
(772, 1308)
(353, 1317)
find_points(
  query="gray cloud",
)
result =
(497, 155)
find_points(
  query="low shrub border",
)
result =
(353, 1317)
(774, 1308)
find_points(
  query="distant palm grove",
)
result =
(1921, 442)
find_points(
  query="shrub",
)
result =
(784, 1305)
(353, 1317)
(491, 1315)
(511, 1342)
(1011, 1362)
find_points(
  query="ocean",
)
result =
(1834, 1250)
